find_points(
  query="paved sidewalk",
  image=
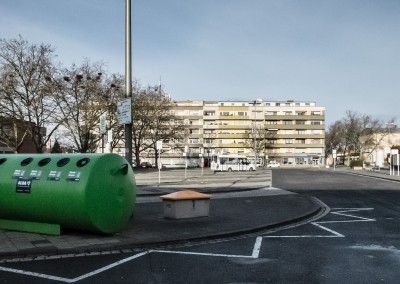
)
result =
(234, 210)
(382, 173)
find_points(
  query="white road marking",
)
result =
(97, 271)
(254, 255)
(329, 230)
(257, 247)
(69, 280)
(334, 234)
(34, 274)
(346, 210)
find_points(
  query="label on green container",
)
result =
(18, 173)
(74, 176)
(35, 174)
(24, 185)
(54, 175)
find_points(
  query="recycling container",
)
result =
(47, 192)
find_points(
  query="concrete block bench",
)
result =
(186, 204)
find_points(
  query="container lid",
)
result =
(185, 195)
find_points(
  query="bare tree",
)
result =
(84, 95)
(355, 134)
(256, 140)
(152, 120)
(209, 141)
(26, 101)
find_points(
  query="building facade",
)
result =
(288, 132)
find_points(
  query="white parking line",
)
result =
(254, 255)
(334, 234)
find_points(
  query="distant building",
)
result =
(7, 128)
(289, 132)
(378, 156)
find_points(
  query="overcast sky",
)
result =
(344, 55)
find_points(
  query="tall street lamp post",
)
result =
(128, 78)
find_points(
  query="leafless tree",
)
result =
(355, 134)
(26, 101)
(84, 94)
(152, 120)
(256, 140)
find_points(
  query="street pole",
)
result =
(128, 78)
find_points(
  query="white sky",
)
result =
(342, 54)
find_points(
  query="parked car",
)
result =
(273, 164)
(146, 165)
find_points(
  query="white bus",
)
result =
(229, 163)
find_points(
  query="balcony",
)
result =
(232, 136)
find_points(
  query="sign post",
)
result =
(334, 158)
(124, 115)
(186, 162)
(394, 161)
(159, 147)
(103, 129)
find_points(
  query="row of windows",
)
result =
(244, 113)
(267, 122)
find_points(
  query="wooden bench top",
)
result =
(185, 195)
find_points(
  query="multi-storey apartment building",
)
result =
(289, 132)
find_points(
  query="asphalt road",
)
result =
(357, 242)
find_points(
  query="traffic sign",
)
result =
(124, 111)
(103, 124)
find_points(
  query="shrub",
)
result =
(356, 163)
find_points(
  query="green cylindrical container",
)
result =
(89, 192)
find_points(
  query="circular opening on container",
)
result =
(2, 160)
(62, 162)
(82, 162)
(26, 161)
(44, 162)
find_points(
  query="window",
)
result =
(194, 131)
(271, 122)
(242, 113)
(301, 131)
(224, 113)
(301, 141)
(288, 113)
(288, 141)
(300, 122)
(287, 122)
(316, 122)
(193, 141)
